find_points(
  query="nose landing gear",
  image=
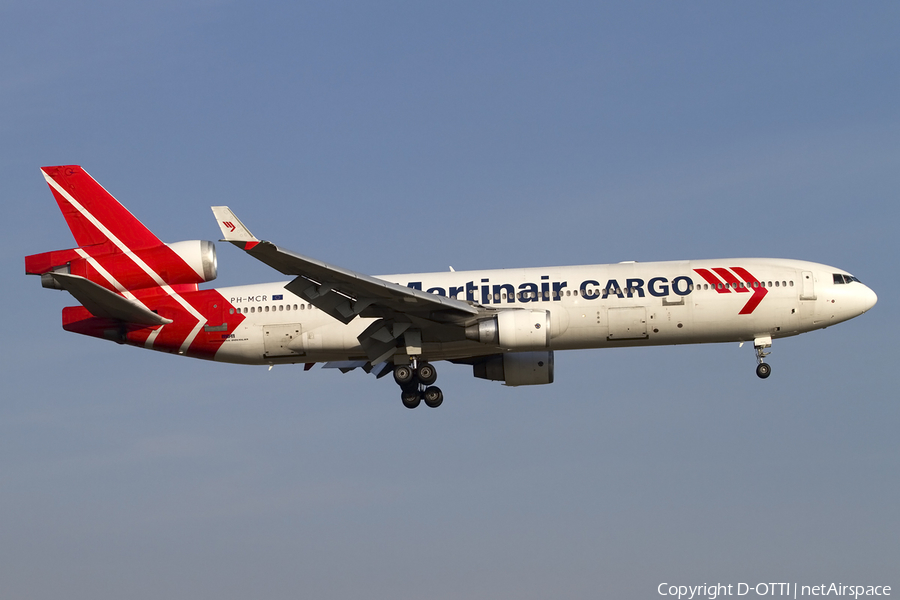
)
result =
(763, 369)
(415, 380)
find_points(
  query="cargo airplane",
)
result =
(506, 323)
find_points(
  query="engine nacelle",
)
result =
(517, 368)
(514, 329)
(200, 255)
(189, 262)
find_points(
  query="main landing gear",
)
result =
(415, 380)
(763, 369)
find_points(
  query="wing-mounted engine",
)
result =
(517, 368)
(513, 329)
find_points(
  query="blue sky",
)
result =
(407, 137)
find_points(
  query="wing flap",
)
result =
(344, 294)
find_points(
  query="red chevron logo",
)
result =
(737, 280)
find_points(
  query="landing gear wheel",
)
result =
(403, 374)
(763, 370)
(433, 396)
(426, 374)
(410, 398)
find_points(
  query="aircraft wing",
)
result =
(342, 293)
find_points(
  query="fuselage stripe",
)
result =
(713, 281)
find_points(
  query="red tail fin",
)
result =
(93, 215)
(116, 250)
(134, 289)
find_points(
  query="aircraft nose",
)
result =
(868, 298)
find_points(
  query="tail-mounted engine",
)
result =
(517, 368)
(189, 262)
(200, 255)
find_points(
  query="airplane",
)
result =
(505, 323)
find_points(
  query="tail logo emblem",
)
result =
(229, 225)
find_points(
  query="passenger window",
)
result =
(253, 309)
(230, 311)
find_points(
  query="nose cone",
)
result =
(867, 298)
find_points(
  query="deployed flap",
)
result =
(344, 294)
(106, 304)
(339, 292)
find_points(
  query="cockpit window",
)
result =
(841, 279)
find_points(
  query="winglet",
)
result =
(232, 229)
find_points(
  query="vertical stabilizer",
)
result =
(115, 250)
(93, 215)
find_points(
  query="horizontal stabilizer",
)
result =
(106, 304)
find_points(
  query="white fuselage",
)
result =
(592, 306)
